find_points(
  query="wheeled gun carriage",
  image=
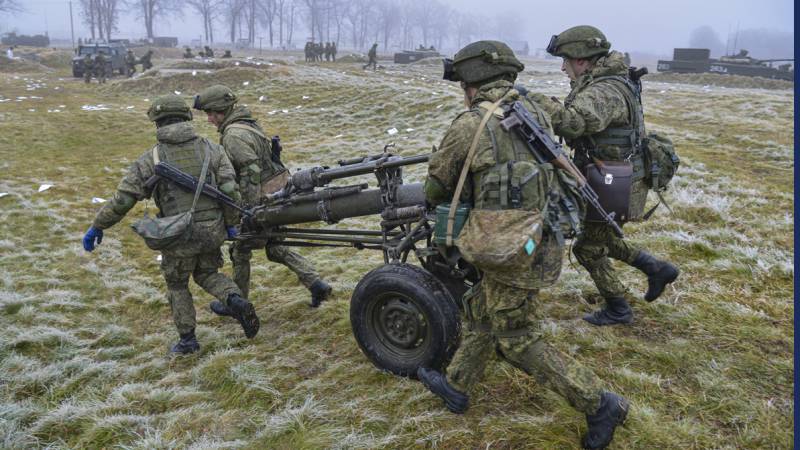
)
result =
(403, 316)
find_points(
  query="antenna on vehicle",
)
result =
(735, 38)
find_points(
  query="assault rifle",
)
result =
(189, 183)
(546, 150)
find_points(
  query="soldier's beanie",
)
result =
(579, 42)
(168, 106)
(215, 98)
(485, 61)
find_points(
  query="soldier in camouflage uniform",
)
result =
(100, 67)
(597, 121)
(201, 257)
(146, 60)
(373, 57)
(503, 310)
(251, 154)
(88, 68)
(130, 63)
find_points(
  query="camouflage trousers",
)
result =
(204, 268)
(241, 255)
(593, 249)
(505, 321)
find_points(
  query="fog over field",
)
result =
(652, 27)
(84, 337)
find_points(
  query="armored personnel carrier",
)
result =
(698, 60)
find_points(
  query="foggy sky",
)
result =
(650, 26)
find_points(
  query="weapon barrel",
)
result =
(318, 177)
(364, 203)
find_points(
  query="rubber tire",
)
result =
(416, 287)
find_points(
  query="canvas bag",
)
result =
(494, 240)
(164, 233)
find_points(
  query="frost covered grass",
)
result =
(83, 338)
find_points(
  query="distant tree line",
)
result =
(354, 23)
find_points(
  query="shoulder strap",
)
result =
(242, 126)
(202, 181)
(451, 215)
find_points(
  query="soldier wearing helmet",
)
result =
(503, 309)
(200, 258)
(602, 120)
(250, 151)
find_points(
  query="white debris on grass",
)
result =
(45, 187)
(99, 107)
(285, 111)
(298, 106)
(439, 106)
(3, 194)
(305, 97)
(159, 257)
(96, 200)
(177, 92)
(262, 98)
(194, 73)
(391, 131)
(245, 83)
(338, 136)
(409, 130)
(31, 110)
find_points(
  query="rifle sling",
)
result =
(451, 215)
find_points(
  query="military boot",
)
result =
(243, 311)
(617, 311)
(612, 412)
(659, 274)
(457, 402)
(187, 344)
(320, 291)
(220, 309)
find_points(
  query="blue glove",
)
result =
(89, 238)
(232, 232)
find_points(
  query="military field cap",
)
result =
(215, 98)
(168, 106)
(580, 42)
(482, 61)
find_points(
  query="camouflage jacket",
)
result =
(592, 107)
(444, 169)
(249, 153)
(444, 166)
(132, 188)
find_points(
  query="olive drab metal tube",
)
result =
(364, 203)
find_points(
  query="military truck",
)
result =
(698, 60)
(409, 56)
(114, 53)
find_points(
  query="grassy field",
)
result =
(84, 337)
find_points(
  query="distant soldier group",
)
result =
(316, 51)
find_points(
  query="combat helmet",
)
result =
(482, 61)
(169, 105)
(580, 42)
(215, 98)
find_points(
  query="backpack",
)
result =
(660, 161)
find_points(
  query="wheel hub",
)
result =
(402, 324)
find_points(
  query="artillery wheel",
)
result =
(404, 318)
